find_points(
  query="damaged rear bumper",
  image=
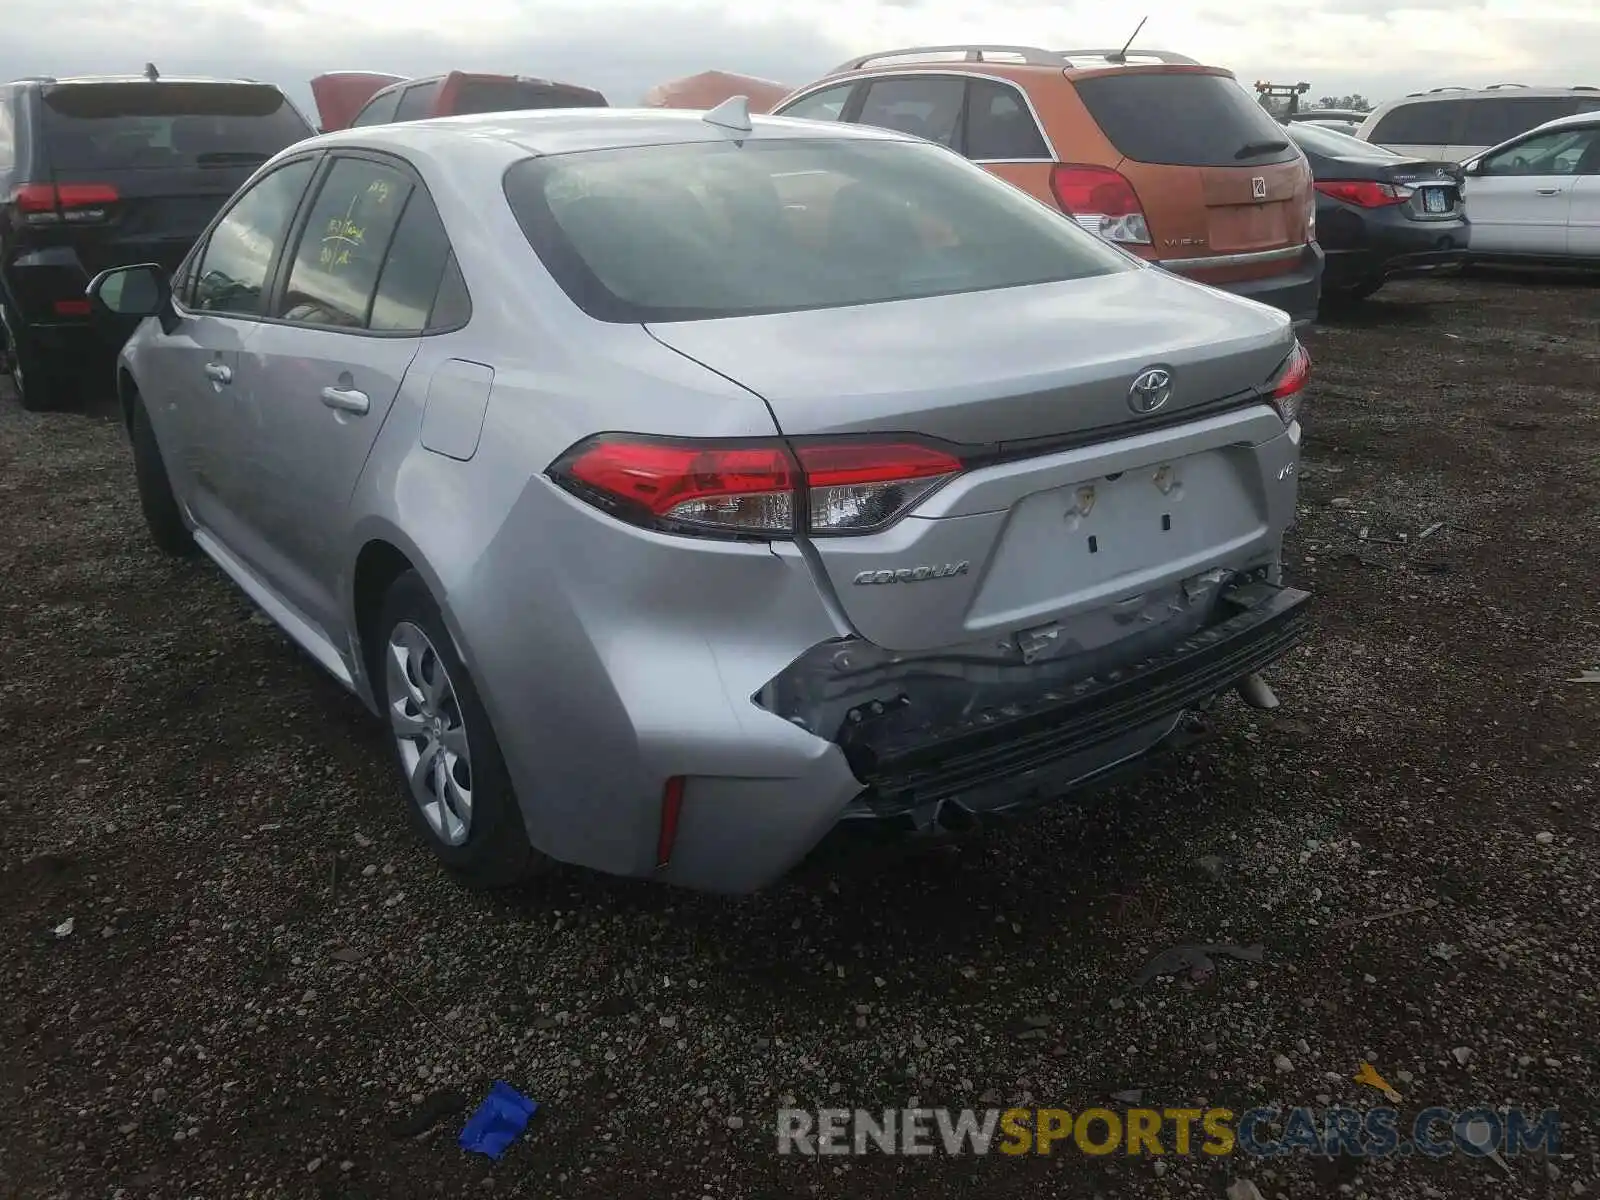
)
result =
(1040, 739)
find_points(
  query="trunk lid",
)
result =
(172, 151)
(1028, 364)
(1040, 377)
(1215, 173)
(340, 95)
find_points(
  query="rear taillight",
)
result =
(63, 203)
(765, 489)
(1289, 384)
(1364, 193)
(1102, 201)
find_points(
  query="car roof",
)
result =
(1496, 91)
(570, 130)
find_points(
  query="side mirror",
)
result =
(138, 291)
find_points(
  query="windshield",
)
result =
(718, 229)
(1322, 140)
(106, 126)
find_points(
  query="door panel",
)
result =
(1518, 214)
(1583, 218)
(302, 439)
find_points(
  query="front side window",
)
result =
(1559, 152)
(826, 105)
(232, 273)
(717, 229)
(335, 268)
(926, 106)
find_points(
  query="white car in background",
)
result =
(1536, 197)
(1456, 123)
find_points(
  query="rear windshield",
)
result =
(105, 126)
(715, 229)
(1184, 118)
(1319, 139)
(507, 95)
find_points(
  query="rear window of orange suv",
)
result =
(1184, 119)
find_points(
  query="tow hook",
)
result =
(1256, 692)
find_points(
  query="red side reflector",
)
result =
(671, 807)
(72, 308)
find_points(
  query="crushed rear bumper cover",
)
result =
(1072, 733)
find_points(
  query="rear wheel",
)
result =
(460, 795)
(31, 373)
(161, 513)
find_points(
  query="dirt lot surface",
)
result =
(1411, 837)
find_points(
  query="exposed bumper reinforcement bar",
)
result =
(911, 768)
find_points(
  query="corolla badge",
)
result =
(1150, 390)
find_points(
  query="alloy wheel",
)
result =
(430, 733)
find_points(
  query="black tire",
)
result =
(496, 852)
(33, 376)
(161, 513)
(1351, 294)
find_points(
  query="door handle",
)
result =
(219, 372)
(1547, 191)
(346, 400)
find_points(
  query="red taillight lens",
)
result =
(64, 203)
(1289, 384)
(72, 308)
(763, 490)
(1102, 201)
(1363, 193)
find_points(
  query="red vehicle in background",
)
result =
(346, 99)
(710, 88)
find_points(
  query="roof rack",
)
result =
(1495, 87)
(1032, 56)
(35, 79)
(1116, 55)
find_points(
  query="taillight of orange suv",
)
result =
(1102, 201)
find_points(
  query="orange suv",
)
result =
(1170, 160)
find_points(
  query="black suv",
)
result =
(102, 172)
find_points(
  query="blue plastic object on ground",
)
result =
(503, 1114)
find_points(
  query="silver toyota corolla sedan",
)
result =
(677, 486)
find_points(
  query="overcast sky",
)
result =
(1380, 48)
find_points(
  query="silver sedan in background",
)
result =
(677, 486)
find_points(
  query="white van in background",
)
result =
(1453, 124)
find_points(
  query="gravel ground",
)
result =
(267, 979)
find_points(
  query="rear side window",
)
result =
(508, 95)
(110, 126)
(413, 271)
(8, 132)
(416, 102)
(379, 110)
(1498, 119)
(1184, 118)
(1424, 123)
(1000, 125)
(927, 106)
(703, 230)
(342, 250)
